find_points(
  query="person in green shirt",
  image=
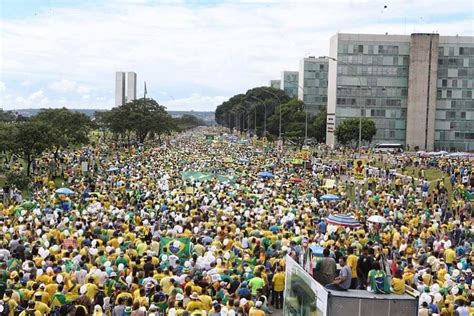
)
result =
(59, 298)
(256, 283)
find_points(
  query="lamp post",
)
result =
(279, 102)
(360, 99)
(265, 119)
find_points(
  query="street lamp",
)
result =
(265, 120)
(279, 101)
(360, 98)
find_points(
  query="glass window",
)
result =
(444, 83)
(449, 93)
(451, 51)
(455, 83)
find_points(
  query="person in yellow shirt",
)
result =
(91, 289)
(195, 303)
(12, 304)
(257, 310)
(352, 263)
(40, 306)
(450, 256)
(278, 281)
(31, 310)
(398, 284)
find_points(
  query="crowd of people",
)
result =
(201, 225)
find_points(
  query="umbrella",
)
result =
(112, 169)
(329, 197)
(64, 191)
(342, 220)
(377, 219)
(317, 250)
(265, 174)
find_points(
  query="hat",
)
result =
(258, 303)
(243, 301)
(194, 296)
(179, 297)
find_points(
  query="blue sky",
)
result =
(193, 54)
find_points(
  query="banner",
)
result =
(181, 247)
(359, 169)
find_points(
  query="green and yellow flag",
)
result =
(180, 246)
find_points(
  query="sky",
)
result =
(193, 55)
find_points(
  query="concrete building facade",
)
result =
(119, 88)
(313, 83)
(289, 83)
(275, 84)
(131, 86)
(408, 85)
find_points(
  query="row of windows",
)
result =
(462, 104)
(374, 60)
(459, 135)
(372, 91)
(370, 102)
(465, 94)
(462, 72)
(380, 49)
(455, 114)
(375, 71)
(463, 51)
(465, 125)
(455, 83)
(455, 62)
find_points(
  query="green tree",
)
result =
(187, 121)
(348, 131)
(67, 127)
(18, 179)
(142, 118)
(319, 123)
(235, 112)
(30, 140)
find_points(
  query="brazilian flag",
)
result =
(181, 247)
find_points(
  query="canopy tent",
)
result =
(342, 220)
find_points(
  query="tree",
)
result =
(187, 121)
(142, 118)
(236, 111)
(67, 127)
(30, 140)
(348, 130)
(319, 123)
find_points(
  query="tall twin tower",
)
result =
(120, 87)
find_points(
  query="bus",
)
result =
(388, 148)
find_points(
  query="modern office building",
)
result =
(275, 84)
(313, 83)
(131, 86)
(289, 83)
(417, 88)
(119, 88)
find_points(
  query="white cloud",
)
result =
(195, 102)
(63, 85)
(35, 100)
(203, 51)
(25, 83)
(3, 86)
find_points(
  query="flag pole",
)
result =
(144, 92)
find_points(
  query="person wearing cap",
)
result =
(31, 310)
(40, 306)
(257, 309)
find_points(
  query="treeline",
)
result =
(258, 110)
